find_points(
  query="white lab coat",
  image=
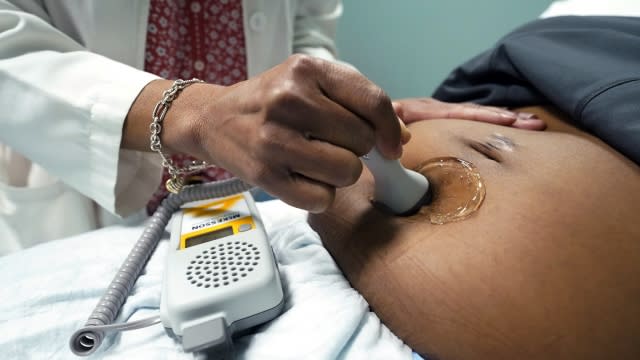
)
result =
(69, 71)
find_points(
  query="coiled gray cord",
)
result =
(87, 339)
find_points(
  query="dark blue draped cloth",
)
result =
(587, 66)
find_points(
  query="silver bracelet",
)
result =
(176, 181)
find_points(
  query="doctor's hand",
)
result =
(417, 109)
(297, 130)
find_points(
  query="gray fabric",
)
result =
(589, 67)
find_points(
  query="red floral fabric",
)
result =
(202, 39)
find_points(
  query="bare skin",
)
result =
(296, 130)
(546, 269)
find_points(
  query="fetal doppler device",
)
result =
(221, 276)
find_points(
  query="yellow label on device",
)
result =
(212, 220)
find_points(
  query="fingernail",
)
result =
(527, 116)
(509, 115)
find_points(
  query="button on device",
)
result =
(244, 227)
(257, 21)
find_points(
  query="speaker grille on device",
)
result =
(223, 264)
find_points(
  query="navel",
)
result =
(457, 189)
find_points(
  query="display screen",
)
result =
(210, 236)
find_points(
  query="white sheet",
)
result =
(593, 7)
(49, 290)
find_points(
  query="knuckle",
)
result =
(300, 64)
(282, 99)
(269, 139)
(266, 132)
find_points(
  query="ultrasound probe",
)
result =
(401, 190)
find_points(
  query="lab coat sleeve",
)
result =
(64, 109)
(315, 28)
